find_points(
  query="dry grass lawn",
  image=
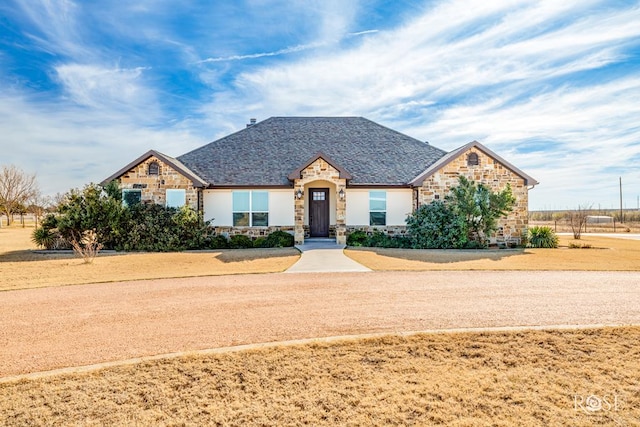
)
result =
(20, 268)
(605, 254)
(568, 377)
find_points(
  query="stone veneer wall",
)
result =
(490, 173)
(253, 232)
(320, 170)
(155, 186)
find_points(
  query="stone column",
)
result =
(298, 212)
(341, 212)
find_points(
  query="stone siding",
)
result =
(153, 187)
(320, 170)
(253, 232)
(491, 173)
(391, 230)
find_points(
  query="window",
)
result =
(176, 198)
(250, 208)
(473, 160)
(377, 208)
(131, 197)
(154, 169)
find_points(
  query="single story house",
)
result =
(318, 177)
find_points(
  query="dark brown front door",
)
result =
(319, 212)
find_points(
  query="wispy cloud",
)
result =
(284, 51)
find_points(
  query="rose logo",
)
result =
(593, 403)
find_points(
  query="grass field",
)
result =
(604, 254)
(567, 377)
(21, 268)
(555, 377)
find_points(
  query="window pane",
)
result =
(260, 201)
(377, 218)
(377, 201)
(176, 198)
(260, 219)
(319, 195)
(131, 197)
(241, 219)
(241, 201)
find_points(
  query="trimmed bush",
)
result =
(240, 241)
(218, 242)
(279, 239)
(542, 237)
(357, 238)
(260, 242)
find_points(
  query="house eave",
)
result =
(195, 180)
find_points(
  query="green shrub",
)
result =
(240, 241)
(217, 241)
(437, 226)
(279, 239)
(44, 237)
(357, 238)
(542, 237)
(260, 242)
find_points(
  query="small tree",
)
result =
(88, 246)
(480, 207)
(436, 226)
(90, 209)
(578, 219)
(16, 189)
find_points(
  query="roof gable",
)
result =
(449, 157)
(174, 163)
(266, 153)
(296, 174)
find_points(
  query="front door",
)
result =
(319, 212)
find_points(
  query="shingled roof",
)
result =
(264, 154)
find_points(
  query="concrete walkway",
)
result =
(324, 256)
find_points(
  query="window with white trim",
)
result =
(250, 208)
(377, 208)
(176, 198)
(131, 197)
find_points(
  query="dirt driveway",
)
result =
(50, 328)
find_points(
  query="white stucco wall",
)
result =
(399, 205)
(281, 207)
(218, 205)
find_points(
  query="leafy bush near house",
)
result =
(437, 226)
(217, 241)
(377, 239)
(260, 242)
(480, 208)
(142, 227)
(357, 238)
(240, 241)
(542, 237)
(155, 228)
(279, 239)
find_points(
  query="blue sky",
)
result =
(552, 86)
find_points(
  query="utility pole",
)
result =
(621, 214)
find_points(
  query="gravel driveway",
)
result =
(50, 328)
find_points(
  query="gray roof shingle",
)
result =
(265, 153)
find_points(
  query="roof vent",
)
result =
(251, 122)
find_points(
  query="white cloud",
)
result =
(458, 73)
(117, 89)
